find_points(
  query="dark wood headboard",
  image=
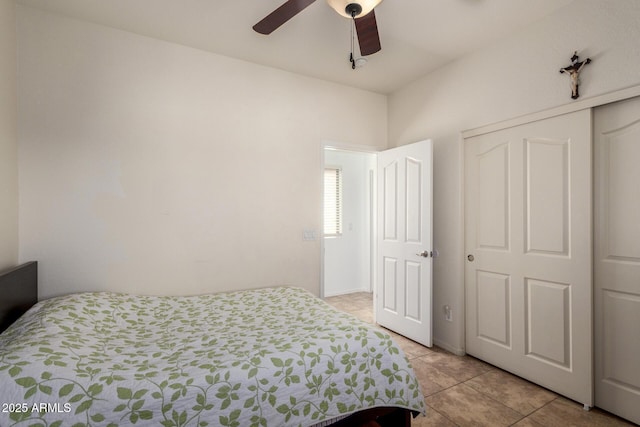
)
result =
(18, 292)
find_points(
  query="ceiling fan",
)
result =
(361, 11)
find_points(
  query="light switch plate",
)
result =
(309, 234)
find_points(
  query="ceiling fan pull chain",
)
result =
(351, 58)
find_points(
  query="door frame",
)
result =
(583, 104)
(364, 149)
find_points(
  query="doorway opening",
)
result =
(348, 257)
(388, 253)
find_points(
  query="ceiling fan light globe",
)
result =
(340, 6)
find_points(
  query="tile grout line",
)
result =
(443, 415)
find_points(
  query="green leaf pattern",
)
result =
(266, 357)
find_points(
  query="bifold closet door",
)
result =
(528, 282)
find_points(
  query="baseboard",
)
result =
(352, 291)
(449, 348)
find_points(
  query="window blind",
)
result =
(332, 201)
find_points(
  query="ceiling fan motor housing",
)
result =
(346, 8)
(353, 9)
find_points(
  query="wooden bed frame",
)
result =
(377, 417)
(18, 292)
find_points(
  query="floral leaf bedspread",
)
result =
(267, 357)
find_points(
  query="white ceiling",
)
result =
(417, 36)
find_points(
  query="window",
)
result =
(332, 201)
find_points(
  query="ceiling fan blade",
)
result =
(281, 15)
(368, 37)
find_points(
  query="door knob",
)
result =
(425, 254)
(470, 257)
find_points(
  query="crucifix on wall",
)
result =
(574, 73)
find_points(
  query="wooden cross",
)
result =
(574, 73)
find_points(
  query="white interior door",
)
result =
(528, 239)
(617, 258)
(404, 241)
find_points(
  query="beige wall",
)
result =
(149, 167)
(8, 137)
(154, 168)
(514, 77)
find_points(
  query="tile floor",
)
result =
(464, 391)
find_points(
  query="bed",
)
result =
(267, 357)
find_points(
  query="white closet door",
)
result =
(528, 239)
(617, 258)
